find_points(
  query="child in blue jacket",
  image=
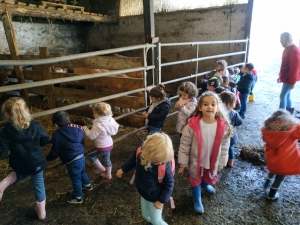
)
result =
(244, 87)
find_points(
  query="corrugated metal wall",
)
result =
(135, 7)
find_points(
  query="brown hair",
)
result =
(102, 109)
(228, 98)
(225, 80)
(189, 88)
(221, 113)
(16, 110)
(158, 92)
(223, 63)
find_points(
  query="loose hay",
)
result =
(254, 155)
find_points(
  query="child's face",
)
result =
(209, 106)
(183, 95)
(219, 67)
(245, 70)
(95, 115)
(154, 100)
(210, 88)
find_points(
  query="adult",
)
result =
(289, 70)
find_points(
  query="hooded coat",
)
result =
(281, 151)
(184, 113)
(67, 143)
(102, 130)
(245, 83)
(26, 155)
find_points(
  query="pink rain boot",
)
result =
(40, 210)
(107, 174)
(10, 179)
(98, 167)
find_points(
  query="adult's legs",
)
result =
(285, 98)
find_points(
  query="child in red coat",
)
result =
(280, 133)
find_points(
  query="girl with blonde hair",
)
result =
(157, 151)
(204, 145)
(24, 137)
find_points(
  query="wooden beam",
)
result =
(47, 75)
(13, 48)
(149, 27)
(16, 10)
(248, 24)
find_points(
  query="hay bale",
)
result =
(254, 155)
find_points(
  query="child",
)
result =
(251, 96)
(24, 137)
(229, 99)
(226, 85)
(214, 84)
(157, 112)
(186, 104)
(156, 150)
(208, 128)
(221, 68)
(68, 145)
(233, 79)
(280, 133)
(244, 87)
(104, 126)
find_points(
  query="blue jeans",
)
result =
(231, 150)
(76, 170)
(37, 181)
(285, 97)
(93, 153)
(244, 103)
(153, 130)
(151, 214)
(253, 84)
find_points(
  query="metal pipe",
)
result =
(246, 47)
(69, 79)
(130, 133)
(158, 50)
(202, 58)
(203, 43)
(128, 114)
(173, 113)
(145, 77)
(70, 57)
(197, 55)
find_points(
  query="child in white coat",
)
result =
(104, 126)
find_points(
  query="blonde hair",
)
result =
(221, 112)
(157, 147)
(102, 109)
(188, 88)
(222, 63)
(15, 110)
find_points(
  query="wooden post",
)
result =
(248, 25)
(13, 48)
(47, 75)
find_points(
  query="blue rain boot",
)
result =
(198, 207)
(208, 188)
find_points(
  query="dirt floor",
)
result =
(239, 198)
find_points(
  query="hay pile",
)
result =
(254, 155)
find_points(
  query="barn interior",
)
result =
(67, 55)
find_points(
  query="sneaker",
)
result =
(274, 198)
(75, 200)
(87, 187)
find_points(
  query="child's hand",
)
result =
(144, 114)
(158, 205)
(181, 170)
(178, 105)
(119, 173)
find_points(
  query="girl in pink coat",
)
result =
(204, 145)
(104, 126)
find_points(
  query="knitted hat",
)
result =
(214, 81)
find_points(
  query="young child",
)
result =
(208, 129)
(251, 96)
(229, 99)
(214, 84)
(280, 132)
(221, 68)
(68, 145)
(226, 85)
(104, 126)
(186, 104)
(157, 112)
(157, 149)
(244, 87)
(24, 137)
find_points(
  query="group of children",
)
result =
(207, 138)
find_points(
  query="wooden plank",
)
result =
(47, 75)
(12, 2)
(13, 48)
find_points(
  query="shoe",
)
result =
(88, 187)
(74, 200)
(198, 207)
(276, 196)
(40, 210)
(208, 188)
(107, 174)
(291, 110)
(230, 163)
(242, 115)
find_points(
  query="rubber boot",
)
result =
(198, 207)
(107, 174)
(208, 188)
(10, 179)
(98, 167)
(40, 209)
(251, 98)
(273, 194)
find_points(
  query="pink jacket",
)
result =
(102, 131)
(191, 147)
